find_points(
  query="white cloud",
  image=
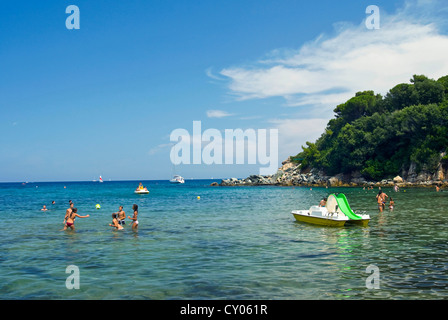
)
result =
(330, 70)
(210, 74)
(218, 114)
(294, 133)
(160, 148)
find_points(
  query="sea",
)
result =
(200, 242)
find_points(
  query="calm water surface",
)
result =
(232, 243)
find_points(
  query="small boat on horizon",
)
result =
(336, 213)
(141, 189)
(177, 179)
(101, 179)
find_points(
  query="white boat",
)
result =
(321, 216)
(177, 179)
(141, 191)
(336, 212)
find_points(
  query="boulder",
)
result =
(333, 181)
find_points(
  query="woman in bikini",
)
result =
(380, 200)
(70, 219)
(134, 218)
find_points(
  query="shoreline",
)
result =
(242, 183)
(291, 174)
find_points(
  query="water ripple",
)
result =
(235, 243)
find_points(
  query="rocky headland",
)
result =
(291, 174)
(400, 138)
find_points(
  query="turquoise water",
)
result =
(232, 243)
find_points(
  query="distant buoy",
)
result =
(97, 206)
(199, 198)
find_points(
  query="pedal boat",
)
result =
(321, 216)
(142, 191)
(337, 212)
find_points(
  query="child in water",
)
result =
(115, 223)
(391, 204)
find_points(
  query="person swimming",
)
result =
(115, 223)
(44, 208)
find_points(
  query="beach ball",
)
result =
(97, 206)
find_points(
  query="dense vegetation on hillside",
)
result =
(379, 136)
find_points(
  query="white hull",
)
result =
(177, 179)
(321, 216)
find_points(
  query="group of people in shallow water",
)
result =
(118, 218)
(381, 200)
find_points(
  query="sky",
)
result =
(104, 99)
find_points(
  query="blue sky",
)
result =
(103, 100)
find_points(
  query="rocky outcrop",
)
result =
(291, 174)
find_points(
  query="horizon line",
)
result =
(97, 181)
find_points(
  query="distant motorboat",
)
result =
(177, 179)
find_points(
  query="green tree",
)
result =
(400, 96)
(381, 136)
(428, 90)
